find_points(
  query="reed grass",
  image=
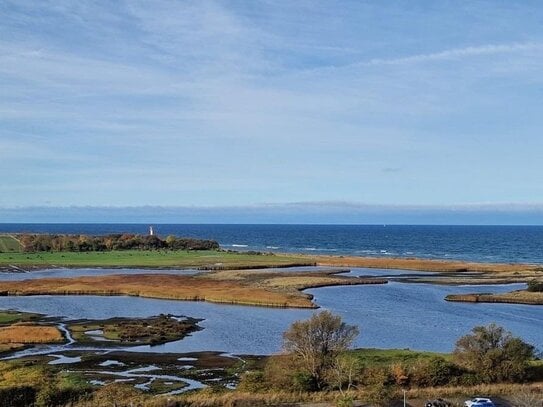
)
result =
(513, 297)
(259, 289)
(29, 334)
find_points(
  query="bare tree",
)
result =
(527, 398)
(317, 342)
(343, 372)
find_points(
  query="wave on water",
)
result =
(507, 244)
(319, 249)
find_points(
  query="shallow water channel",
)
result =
(394, 315)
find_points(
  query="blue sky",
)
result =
(259, 104)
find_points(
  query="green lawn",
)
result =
(382, 357)
(148, 258)
(8, 244)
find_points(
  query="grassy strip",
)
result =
(10, 317)
(208, 259)
(216, 260)
(264, 288)
(514, 297)
(8, 244)
(386, 357)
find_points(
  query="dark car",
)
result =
(437, 403)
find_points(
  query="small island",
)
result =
(133, 331)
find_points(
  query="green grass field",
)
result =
(149, 259)
(383, 357)
(8, 244)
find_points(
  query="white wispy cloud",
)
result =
(457, 53)
(225, 102)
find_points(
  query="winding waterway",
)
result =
(395, 315)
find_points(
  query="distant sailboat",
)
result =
(151, 231)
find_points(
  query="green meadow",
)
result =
(385, 357)
(207, 259)
(8, 244)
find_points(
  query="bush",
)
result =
(434, 372)
(345, 401)
(535, 286)
(279, 373)
(303, 381)
(17, 396)
(252, 381)
(379, 394)
(494, 355)
(317, 343)
(376, 375)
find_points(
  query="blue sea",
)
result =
(475, 243)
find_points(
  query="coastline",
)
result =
(421, 264)
(233, 260)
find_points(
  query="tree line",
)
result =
(125, 241)
(315, 357)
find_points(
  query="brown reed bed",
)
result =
(29, 334)
(272, 289)
(513, 297)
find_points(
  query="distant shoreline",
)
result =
(221, 260)
(439, 271)
(420, 264)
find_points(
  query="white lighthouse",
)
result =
(151, 231)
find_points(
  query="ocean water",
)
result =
(476, 243)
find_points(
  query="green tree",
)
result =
(494, 354)
(317, 342)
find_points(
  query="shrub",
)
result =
(535, 286)
(17, 396)
(526, 398)
(494, 354)
(317, 342)
(434, 372)
(400, 374)
(376, 375)
(304, 381)
(379, 394)
(252, 381)
(345, 401)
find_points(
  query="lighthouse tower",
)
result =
(151, 231)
